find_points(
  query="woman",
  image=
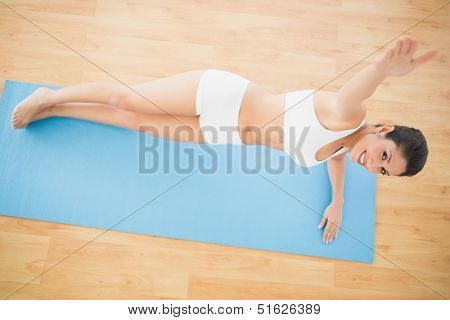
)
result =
(312, 128)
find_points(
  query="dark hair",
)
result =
(413, 145)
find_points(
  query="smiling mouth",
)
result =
(362, 158)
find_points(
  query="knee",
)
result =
(122, 98)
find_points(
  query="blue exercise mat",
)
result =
(88, 174)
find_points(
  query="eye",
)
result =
(383, 171)
(384, 157)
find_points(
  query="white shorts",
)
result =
(218, 101)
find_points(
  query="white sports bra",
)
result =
(303, 134)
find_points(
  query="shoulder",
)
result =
(330, 111)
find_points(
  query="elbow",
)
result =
(339, 157)
(352, 113)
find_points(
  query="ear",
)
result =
(386, 128)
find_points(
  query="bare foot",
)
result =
(33, 104)
(43, 114)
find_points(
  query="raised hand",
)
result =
(399, 60)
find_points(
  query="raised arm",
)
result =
(397, 61)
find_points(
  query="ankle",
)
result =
(46, 98)
(48, 111)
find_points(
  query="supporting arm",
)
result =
(336, 171)
(333, 214)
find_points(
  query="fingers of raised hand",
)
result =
(405, 46)
(390, 53)
(397, 48)
(412, 48)
(430, 54)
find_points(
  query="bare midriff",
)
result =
(261, 118)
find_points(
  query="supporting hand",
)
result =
(399, 59)
(333, 218)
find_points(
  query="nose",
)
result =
(373, 165)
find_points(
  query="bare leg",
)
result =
(163, 126)
(174, 95)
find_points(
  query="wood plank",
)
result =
(284, 46)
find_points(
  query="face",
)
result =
(377, 154)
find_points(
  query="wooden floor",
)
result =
(283, 45)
